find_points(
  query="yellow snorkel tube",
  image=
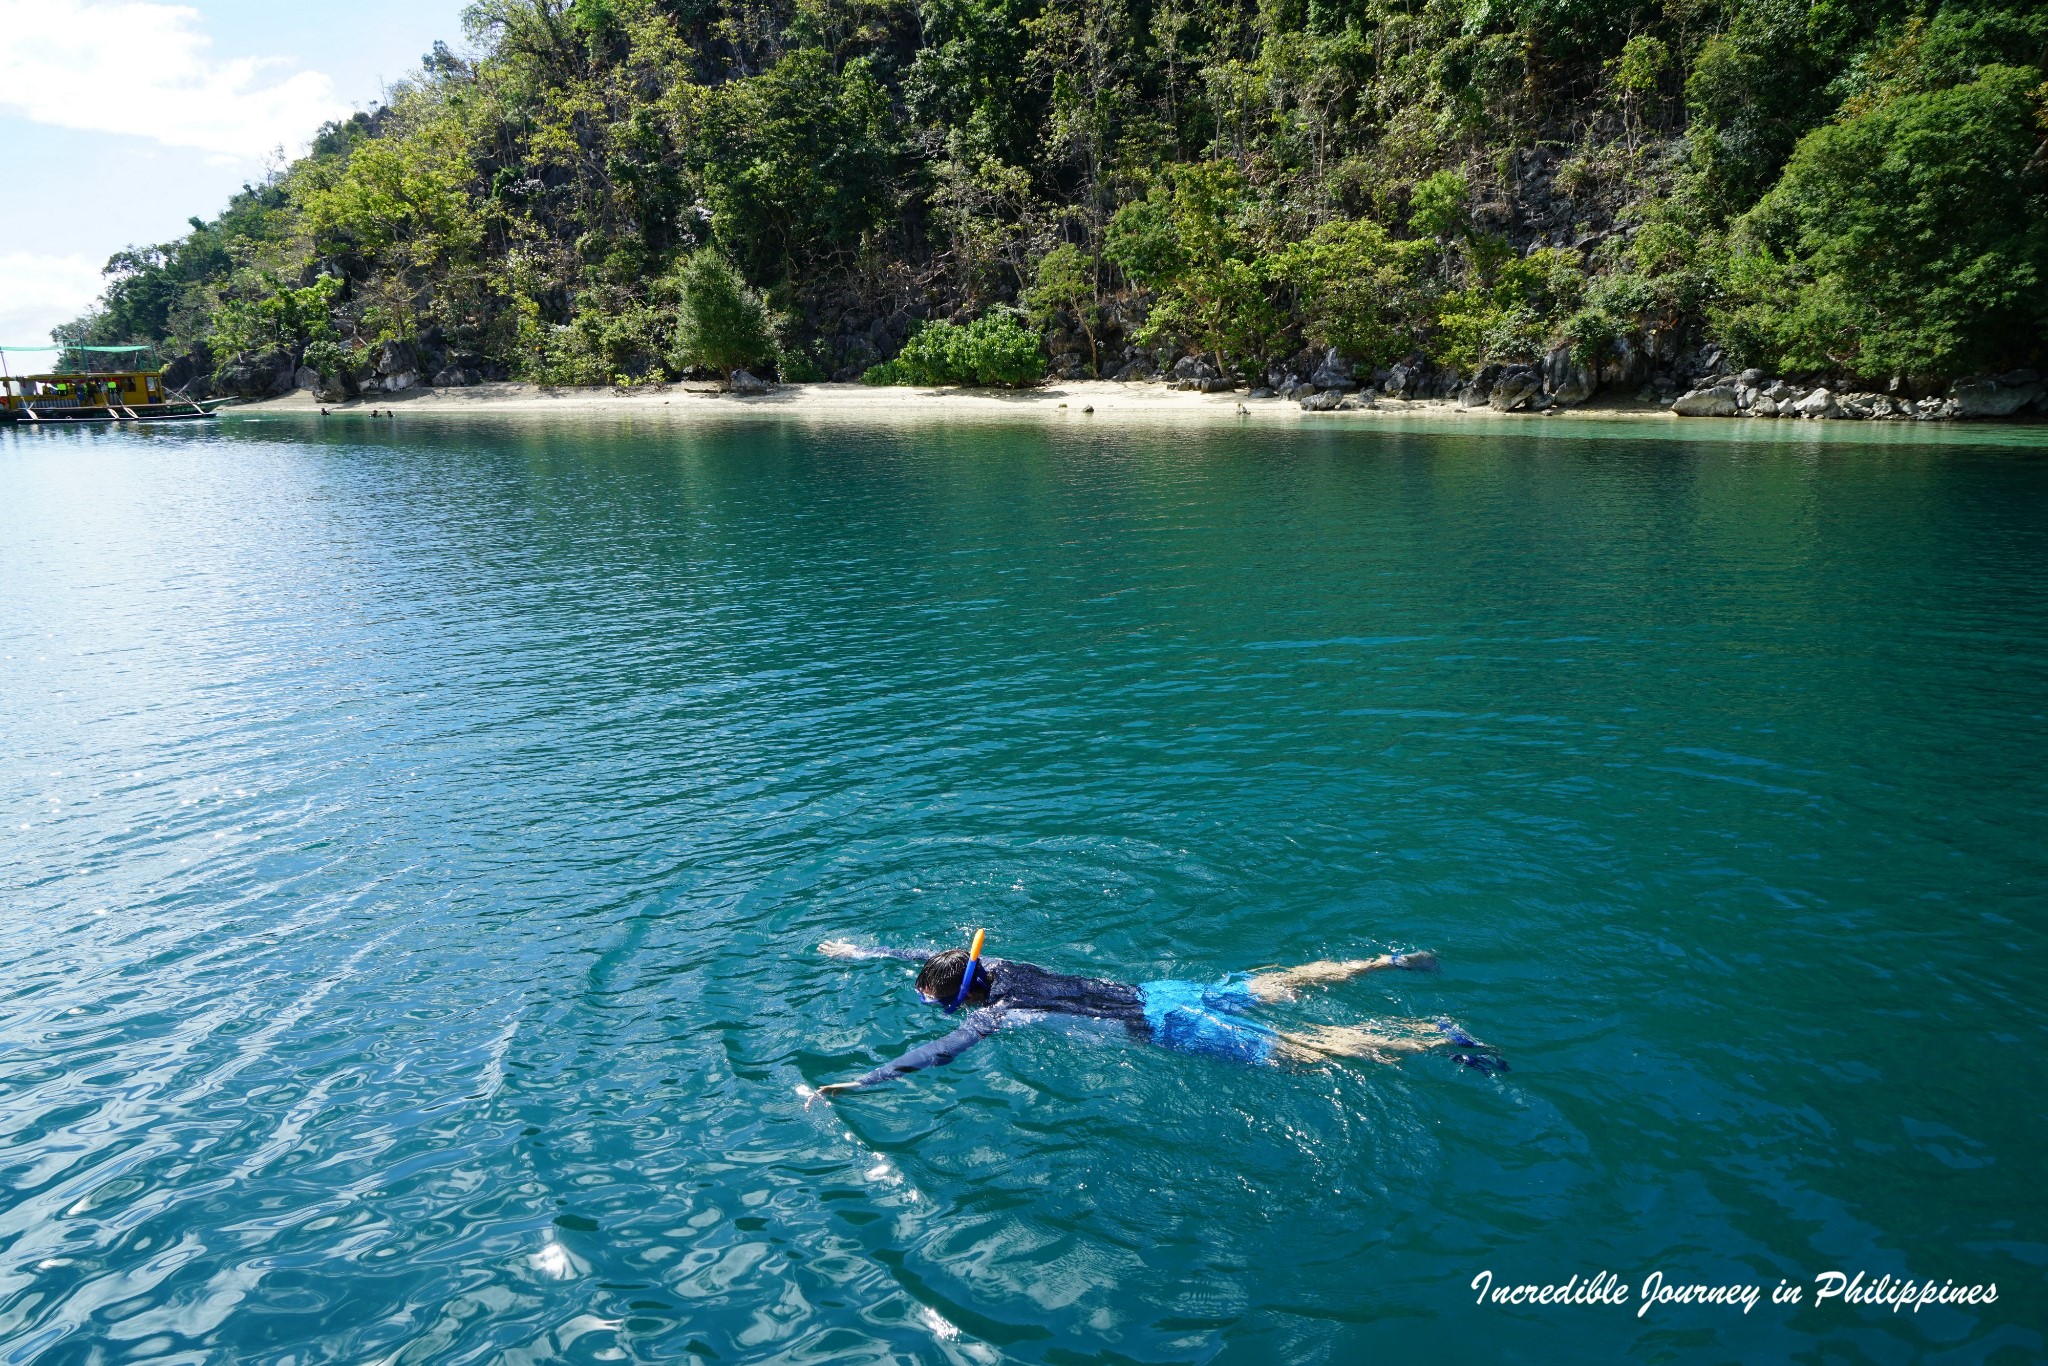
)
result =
(967, 977)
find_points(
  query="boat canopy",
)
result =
(84, 354)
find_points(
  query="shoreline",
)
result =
(1102, 399)
(1150, 405)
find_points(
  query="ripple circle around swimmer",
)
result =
(418, 839)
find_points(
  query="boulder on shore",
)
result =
(1718, 401)
(1819, 403)
(1334, 373)
(1565, 379)
(1477, 391)
(748, 384)
(1999, 397)
(396, 358)
(1517, 389)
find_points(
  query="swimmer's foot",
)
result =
(1421, 960)
(1481, 1057)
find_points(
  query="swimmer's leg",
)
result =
(1281, 985)
(1376, 1044)
(1388, 1041)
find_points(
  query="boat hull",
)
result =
(70, 417)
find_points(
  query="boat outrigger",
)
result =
(92, 384)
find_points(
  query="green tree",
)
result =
(1141, 242)
(1439, 206)
(1359, 290)
(276, 315)
(1192, 241)
(1912, 238)
(1638, 74)
(1066, 283)
(1511, 313)
(796, 162)
(720, 323)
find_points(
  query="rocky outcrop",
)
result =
(190, 371)
(1565, 379)
(1330, 401)
(1334, 373)
(1195, 374)
(1750, 394)
(1402, 380)
(1515, 390)
(748, 384)
(396, 368)
(1819, 403)
(1479, 389)
(457, 377)
(257, 374)
(1652, 365)
(2001, 396)
(1626, 364)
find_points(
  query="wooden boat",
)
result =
(96, 390)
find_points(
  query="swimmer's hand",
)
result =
(840, 948)
(810, 1095)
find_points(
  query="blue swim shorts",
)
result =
(1194, 1017)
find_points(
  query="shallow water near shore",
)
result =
(419, 837)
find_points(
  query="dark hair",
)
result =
(940, 978)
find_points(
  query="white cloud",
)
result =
(146, 69)
(37, 292)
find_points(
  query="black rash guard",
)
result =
(1017, 993)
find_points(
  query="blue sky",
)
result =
(112, 143)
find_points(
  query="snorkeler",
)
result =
(1188, 1017)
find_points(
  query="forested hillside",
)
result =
(1826, 188)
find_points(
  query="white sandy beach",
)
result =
(1098, 400)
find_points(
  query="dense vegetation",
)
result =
(1847, 187)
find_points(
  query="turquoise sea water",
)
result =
(417, 837)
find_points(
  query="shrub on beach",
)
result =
(994, 350)
(720, 323)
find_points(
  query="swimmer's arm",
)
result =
(846, 948)
(937, 1053)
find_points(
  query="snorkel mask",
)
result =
(967, 975)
